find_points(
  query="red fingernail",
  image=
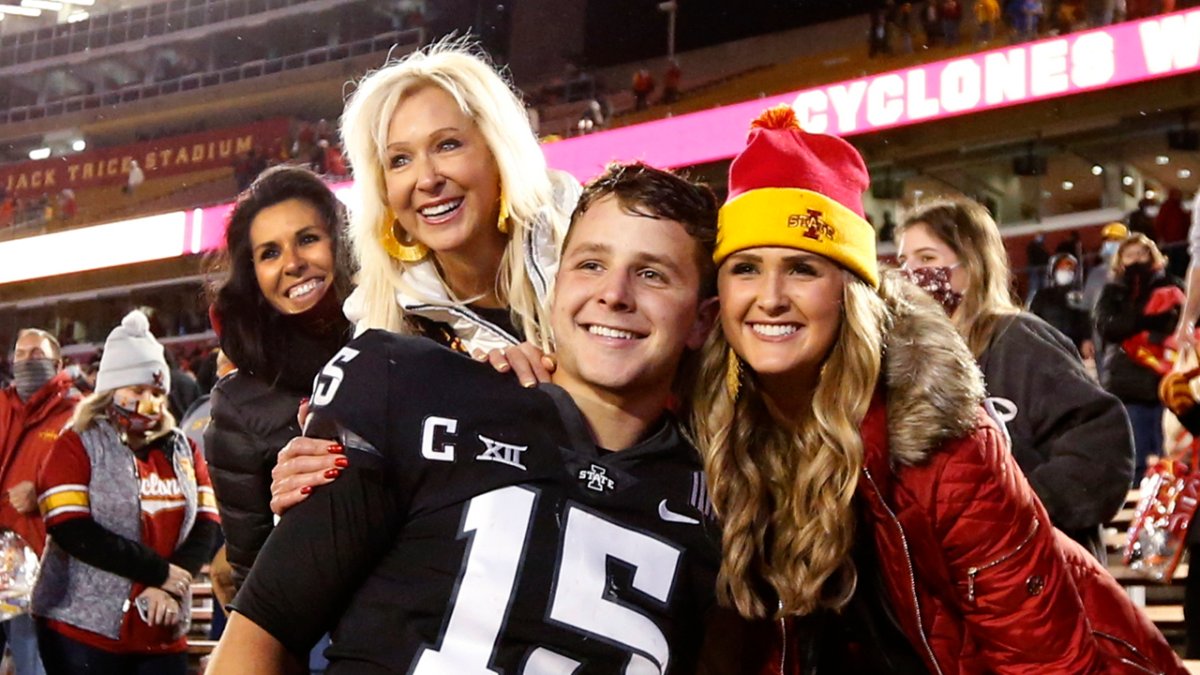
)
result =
(336, 449)
(304, 401)
(306, 489)
(341, 462)
(333, 473)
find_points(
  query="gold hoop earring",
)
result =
(502, 223)
(409, 253)
(733, 375)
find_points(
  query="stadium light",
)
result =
(48, 5)
(81, 3)
(79, 145)
(76, 17)
(39, 153)
(19, 11)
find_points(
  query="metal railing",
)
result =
(405, 40)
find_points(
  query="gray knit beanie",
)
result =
(132, 356)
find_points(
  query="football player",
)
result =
(484, 527)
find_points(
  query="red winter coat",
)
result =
(978, 578)
(27, 430)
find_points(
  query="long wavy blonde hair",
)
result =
(95, 407)
(460, 70)
(798, 476)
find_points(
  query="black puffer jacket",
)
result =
(251, 421)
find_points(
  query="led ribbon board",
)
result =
(1092, 60)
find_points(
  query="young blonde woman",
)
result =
(131, 517)
(455, 225)
(1068, 435)
(870, 506)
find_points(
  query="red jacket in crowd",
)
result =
(27, 431)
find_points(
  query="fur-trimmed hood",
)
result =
(934, 386)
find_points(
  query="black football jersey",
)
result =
(478, 529)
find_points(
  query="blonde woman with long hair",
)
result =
(455, 224)
(859, 481)
(1069, 436)
(457, 218)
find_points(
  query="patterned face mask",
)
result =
(136, 415)
(936, 282)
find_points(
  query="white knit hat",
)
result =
(132, 356)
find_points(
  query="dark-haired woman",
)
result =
(279, 316)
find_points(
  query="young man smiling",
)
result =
(484, 527)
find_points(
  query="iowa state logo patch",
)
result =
(813, 223)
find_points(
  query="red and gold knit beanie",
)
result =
(798, 190)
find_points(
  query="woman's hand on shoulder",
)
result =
(302, 464)
(527, 361)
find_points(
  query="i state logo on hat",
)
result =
(813, 223)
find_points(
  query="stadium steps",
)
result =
(110, 203)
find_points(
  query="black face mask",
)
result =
(1139, 271)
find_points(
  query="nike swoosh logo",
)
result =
(672, 517)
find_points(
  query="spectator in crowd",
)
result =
(1171, 226)
(1026, 15)
(1186, 330)
(643, 87)
(113, 595)
(378, 553)
(1060, 304)
(1141, 219)
(1036, 260)
(672, 79)
(278, 314)
(931, 22)
(68, 207)
(906, 25)
(877, 39)
(1069, 436)
(136, 177)
(1072, 246)
(987, 17)
(1099, 12)
(8, 210)
(951, 17)
(1136, 313)
(861, 485)
(32, 412)
(1111, 236)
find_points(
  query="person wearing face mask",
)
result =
(1069, 436)
(1136, 313)
(1060, 304)
(1111, 236)
(131, 516)
(32, 412)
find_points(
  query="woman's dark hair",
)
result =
(250, 328)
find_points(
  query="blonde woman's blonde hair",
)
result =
(95, 407)
(785, 490)
(1157, 260)
(460, 70)
(969, 230)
